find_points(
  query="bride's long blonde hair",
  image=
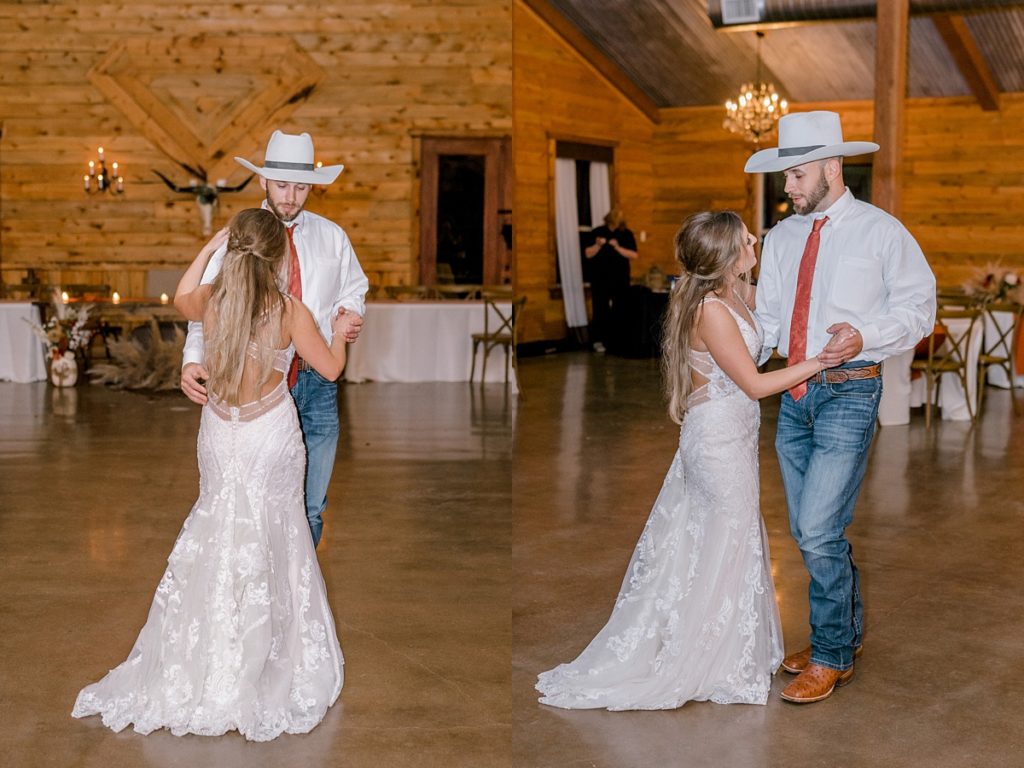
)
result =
(707, 247)
(246, 303)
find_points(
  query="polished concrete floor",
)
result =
(939, 538)
(436, 586)
(94, 485)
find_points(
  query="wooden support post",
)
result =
(890, 97)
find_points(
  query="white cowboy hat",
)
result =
(803, 137)
(290, 158)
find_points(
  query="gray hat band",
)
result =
(791, 151)
(288, 166)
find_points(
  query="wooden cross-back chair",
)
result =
(499, 330)
(948, 353)
(468, 292)
(408, 292)
(1000, 352)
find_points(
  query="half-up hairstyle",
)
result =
(707, 246)
(246, 303)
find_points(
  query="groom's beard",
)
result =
(285, 216)
(812, 200)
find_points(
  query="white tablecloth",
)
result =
(899, 393)
(21, 352)
(423, 341)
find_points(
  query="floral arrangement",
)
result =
(140, 363)
(994, 283)
(65, 332)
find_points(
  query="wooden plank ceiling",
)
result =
(670, 50)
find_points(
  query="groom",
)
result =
(846, 281)
(323, 271)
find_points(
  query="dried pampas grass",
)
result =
(152, 366)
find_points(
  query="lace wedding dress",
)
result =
(239, 635)
(696, 618)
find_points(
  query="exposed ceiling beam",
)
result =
(779, 14)
(595, 57)
(968, 57)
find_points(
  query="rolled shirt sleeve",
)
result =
(909, 315)
(193, 352)
(353, 283)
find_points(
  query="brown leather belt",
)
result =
(839, 375)
(304, 366)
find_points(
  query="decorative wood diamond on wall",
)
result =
(205, 99)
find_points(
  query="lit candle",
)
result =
(101, 153)
(163, 298)
(115, 169)
(120, 183)
(86, 180)
(64, 297)
(319, 164)
(116, 297)
(92, 168)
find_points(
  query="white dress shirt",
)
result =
(330, 271)
(870, 273)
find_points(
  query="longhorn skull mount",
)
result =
(207, 196)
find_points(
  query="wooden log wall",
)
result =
(386, 74)
(963, 176)
(558, 95)
(963, 169)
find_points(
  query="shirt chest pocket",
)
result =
(327, 269)
(858, 285)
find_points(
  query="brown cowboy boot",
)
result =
(816, 683)
(797, 662)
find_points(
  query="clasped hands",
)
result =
(846, 343)
(348, 323)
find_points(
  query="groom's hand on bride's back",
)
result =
(193, 377)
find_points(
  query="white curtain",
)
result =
(600, 193)
(568, 238)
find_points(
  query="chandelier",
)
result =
(757, 109)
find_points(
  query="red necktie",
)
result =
(295, 291)
(802, 304)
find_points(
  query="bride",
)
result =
(240, 635)
(696, 618)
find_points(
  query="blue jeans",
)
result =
(822, 443)
(316, 400)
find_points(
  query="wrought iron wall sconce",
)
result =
(98, 179)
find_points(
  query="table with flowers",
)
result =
(993, 288)
(64, 334)
(900, 391)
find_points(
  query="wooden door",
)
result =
(465, 189)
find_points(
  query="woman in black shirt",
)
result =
(612, 246)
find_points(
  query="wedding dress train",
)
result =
(696, 617)
(240, 635)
